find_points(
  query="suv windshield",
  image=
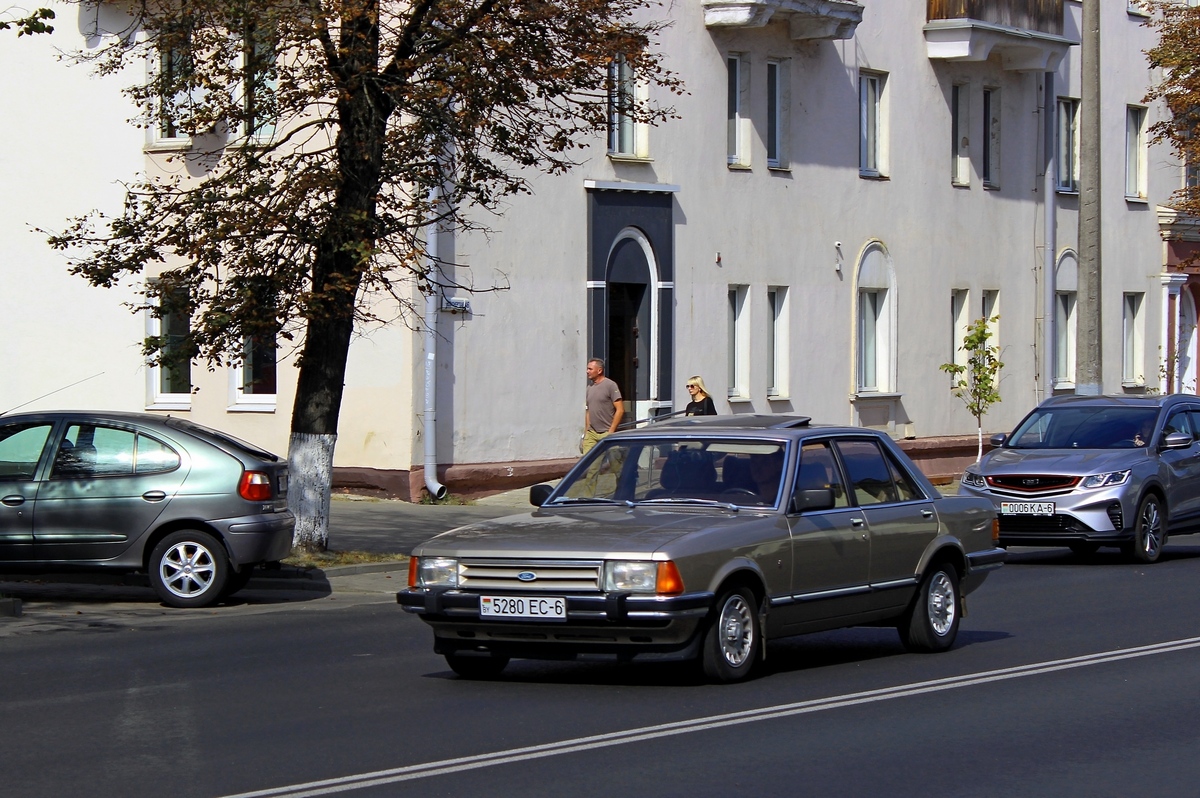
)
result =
(745, 472)
(1100, 427)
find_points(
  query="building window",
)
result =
(870, 312)
(777, 114)
(259, 82)
(991, 138)
(990, 310)
(739, 343)
(777, 341)
(1066, 160)
(621, 98)
(172, 78)
(871, 151)
(254, 386)
(1133, 371)
(959, 323)
(737, 117)
(1064, 339)
(1135, 152)
(875, 328)
(960, 142)
(171, 378)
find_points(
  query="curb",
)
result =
(291, 577)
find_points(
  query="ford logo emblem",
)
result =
(527, 576)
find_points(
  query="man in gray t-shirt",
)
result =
(604, 409)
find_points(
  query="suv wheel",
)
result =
(931, 623)
(188, 568)
(1149, 531)
(469, 667)
(731, 642)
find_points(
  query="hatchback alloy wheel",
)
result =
(189, 569)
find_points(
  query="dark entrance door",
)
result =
(628, 350)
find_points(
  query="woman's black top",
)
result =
(704, 407)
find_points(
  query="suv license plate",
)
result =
(540, 608)
(1027, 508)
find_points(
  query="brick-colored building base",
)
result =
(941, 459)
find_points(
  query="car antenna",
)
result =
(56, 390)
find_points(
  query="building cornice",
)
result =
(807, 19)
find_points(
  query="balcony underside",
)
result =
(1020, 50)
(807, 19)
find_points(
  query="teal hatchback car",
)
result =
(194, 508)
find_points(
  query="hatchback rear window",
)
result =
(225, 438)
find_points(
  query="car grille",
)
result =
(1042, 525)
(1032, 484)
(550, 575)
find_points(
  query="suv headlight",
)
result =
(1106, 480)
(437, 572)
(636, 576)
(973, 480)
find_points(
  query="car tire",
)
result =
(476, 667)
(189, 568)
(931, 623)
(731, 643)
(1149, 531)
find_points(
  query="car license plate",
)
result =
(1027, 508)
(541, 608)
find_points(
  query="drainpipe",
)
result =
(1049, 256)
(436, 489)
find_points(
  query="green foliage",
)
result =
(978, 382)
(1176, 58)
(30, 23)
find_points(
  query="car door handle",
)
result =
(154, 495)
(856, 522)
(927, 513)
(13, 501)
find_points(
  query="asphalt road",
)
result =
(1070, 677)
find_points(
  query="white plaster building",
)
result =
(847, 186)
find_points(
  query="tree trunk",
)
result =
(310, 466)
(979, 451)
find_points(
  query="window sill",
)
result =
(783, 168)
(1133, 384)
(778, 397)
(873, 176)
(161, 405)
(1066, 192)
(1136, 200)
(959, 185)
(247, 407)
(1063, 385)
(738, 398)
(991, 186)
(168, 145)
(867, 396)
(626, 157)
(739, 167)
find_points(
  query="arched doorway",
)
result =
(630, 282)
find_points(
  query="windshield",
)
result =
(1102, 427)
(745, 472)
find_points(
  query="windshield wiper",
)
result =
(693, 501)
(589, 500)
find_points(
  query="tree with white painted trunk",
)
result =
(314, 135)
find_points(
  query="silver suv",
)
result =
(1091, 471)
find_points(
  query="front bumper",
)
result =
(1095, 516)
(623, 625)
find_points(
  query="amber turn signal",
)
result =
(669, 582)
(412, 571)
(995, 530)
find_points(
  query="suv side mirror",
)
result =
(998, 439)
(538, 494)
(807, 501)
(1177, 440)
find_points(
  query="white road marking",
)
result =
(447, 766)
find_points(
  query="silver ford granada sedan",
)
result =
(195, 508)
(702, 538)
(1091, 471)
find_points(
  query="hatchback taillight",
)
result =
(255, 486)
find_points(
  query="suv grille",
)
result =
(1042, 525)
(1032, 483)
(549, 575)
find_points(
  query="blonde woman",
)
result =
(702, 403)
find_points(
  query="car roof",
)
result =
(754, 424)
(1111, 400)
(117, 415)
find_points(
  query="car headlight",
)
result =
(636, 576)
(1106, 480)
(974, 480)
(643, 576)
(437, 572)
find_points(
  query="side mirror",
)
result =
(1176, 440)
(538, 494)
(998, 439)
(807, 501)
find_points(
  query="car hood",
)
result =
(1072, 462)
(588, 533)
